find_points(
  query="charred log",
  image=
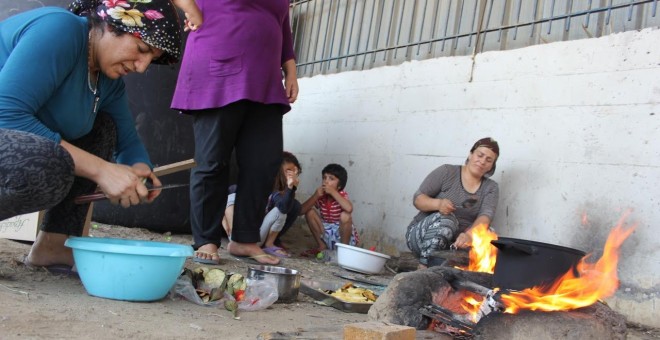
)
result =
(407, 293)
(407, 262)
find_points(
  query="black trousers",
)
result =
(255, 131)
(38, 174)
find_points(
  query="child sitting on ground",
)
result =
(281, 204)
(331, 221)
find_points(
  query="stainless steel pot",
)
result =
(287, 280)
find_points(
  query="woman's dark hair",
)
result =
(337, 171)
(491, 144)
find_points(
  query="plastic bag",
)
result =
(183, 287)
(258, 295)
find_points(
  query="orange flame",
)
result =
(472, 305)
(482, 259)
(482, 254)
(596, 281)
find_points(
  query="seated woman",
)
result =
(452, 199)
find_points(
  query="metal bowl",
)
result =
(287, 280)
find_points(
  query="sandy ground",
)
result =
(35, 304)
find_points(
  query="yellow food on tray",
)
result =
(349, 293)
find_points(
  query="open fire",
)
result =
(482, 254)
(594, 281)
(467, 303)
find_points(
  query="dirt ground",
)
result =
(35, 304)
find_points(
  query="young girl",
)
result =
(280, 204)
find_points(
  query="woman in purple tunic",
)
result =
(231, 82)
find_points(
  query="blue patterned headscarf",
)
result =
(156, 22)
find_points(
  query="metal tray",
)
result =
(312, 288)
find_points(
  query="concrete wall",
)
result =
(579, 130)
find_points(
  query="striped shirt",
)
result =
(445, 182)
(329, 208)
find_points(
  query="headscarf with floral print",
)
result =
(156, 22)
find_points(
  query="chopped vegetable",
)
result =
(232, 306)
(349, 293)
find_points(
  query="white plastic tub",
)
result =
(360, 260)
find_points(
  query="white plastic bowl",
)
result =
(360, 260)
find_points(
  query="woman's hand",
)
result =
(290, 80)
(119, 182)
(124, 185)
(446, 206)
(144, 172)
(194, 16)
(291, 87)
(463, 241)
(192, 22)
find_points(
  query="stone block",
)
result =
(377, 330)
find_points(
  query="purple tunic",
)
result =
(236, 54)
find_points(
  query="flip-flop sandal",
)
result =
(253, 259)
(310, 252)
(55, 269)
(214, 260)
(276, 251)
(62, 269)
(281, 244)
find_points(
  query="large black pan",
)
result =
(524, 264)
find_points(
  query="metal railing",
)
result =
(341, 35)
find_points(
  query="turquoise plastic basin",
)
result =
(131, 270)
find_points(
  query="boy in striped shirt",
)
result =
(331, 220)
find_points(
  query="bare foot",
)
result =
(251, 250)
(208, 252)
(321, 246)
(48, 249)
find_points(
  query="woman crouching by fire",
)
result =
(453, 199)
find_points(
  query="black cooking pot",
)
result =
(524, 264)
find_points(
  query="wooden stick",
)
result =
(470, 286)
(174, 167)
